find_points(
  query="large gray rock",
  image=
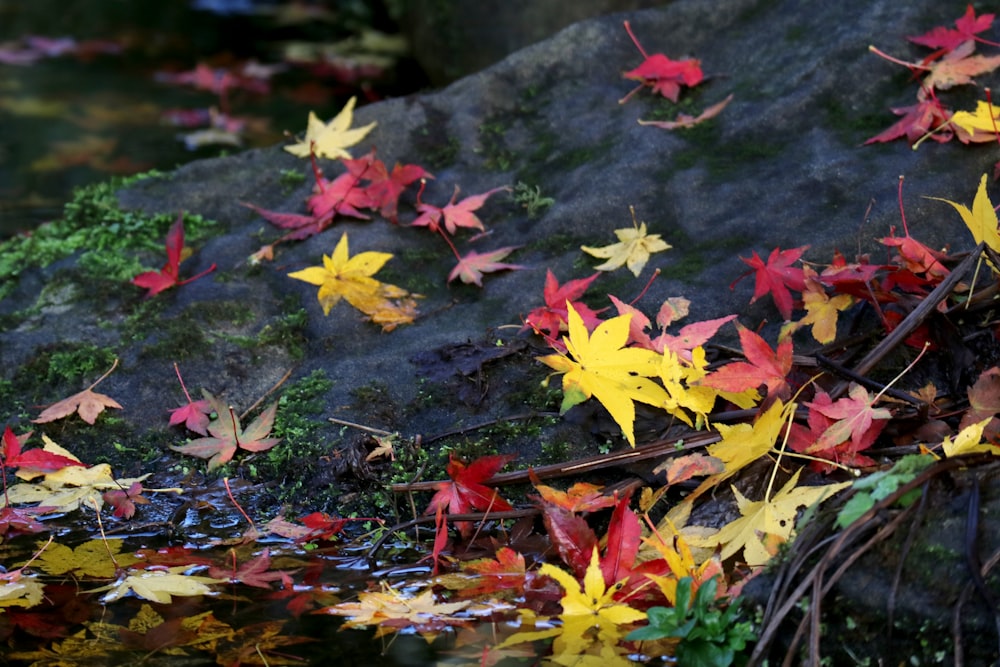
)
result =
(783, 165)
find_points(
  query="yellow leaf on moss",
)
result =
(330, 140)
(600, 365)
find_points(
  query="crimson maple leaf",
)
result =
(32, 460)
(817, 440)
(854, 417)
(386, 186)
(341, 196)
(466, 492)
(622, 547)
(550, 319)
(663, 75)
(763, 366)
(776, 277)
(124, 500)
(925, 118)
(452, 215)
(572, 537)
(169, 275)
(473, 265)
(966, 28)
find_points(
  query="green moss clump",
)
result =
(94, 225)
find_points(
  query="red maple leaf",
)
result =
(966, 28)
(473, 265)
(827, 438)
(663, 75)
(553, 317)
(32, 460)
(854, 417)
(776, 277)
(925, 118)
(466, 492)
(255, 572)
(195, 414)
(763, 366)
(341, 196)
(855, 278)
(622, 547)
(124, 500)
(452, 215)
(14, 522)
(505, 572)
(572, 537)
(169, 275)
(386, 186)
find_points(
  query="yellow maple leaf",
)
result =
(969, 440)
(21, 592)
(821, 310)
(158, 585)
(96, 558)
(591, 619)
(980, 124)
(68, 488)
(765, 524)
(377, 608)
(632, 250)
(982, 219)
(674, 550)
(330, 140)
(603, 367)
(350, 279)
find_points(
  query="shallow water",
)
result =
(85, 90)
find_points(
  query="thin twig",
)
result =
(284, 378)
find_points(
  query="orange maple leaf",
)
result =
(87, 403)
(763, 366)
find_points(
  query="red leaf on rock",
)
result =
(948, 39)
(341, 196)
(453, 215)
(763, 366)
(854, 417)
(386, 187)
(919, 120)
(473, 265)
(169, 275)
(776, 277)
(663, 75)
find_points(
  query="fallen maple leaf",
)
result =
(765, 524)
(763, 366)
(550, 319)
(969, 441)
(125, 500)
(663, 75)
(466, 492)
(984, 399)
(473, 265)
(94, 558)
(926, 118)
(32, 462)
(581, 497)
(979, 125)
(854, 417)
(982, 219)
(822, 310)
(632, 250)
(254, 572)
(350, 278)
(687, 121)
(226, 435)
(391, 610)
(452, 215)
(157, 585)
(966, 29)
(195, 414)
(169, 275)
(386, 186)
(330, 140)
(600, 365)
(88, 403)
(776, 277)
(490, 576)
